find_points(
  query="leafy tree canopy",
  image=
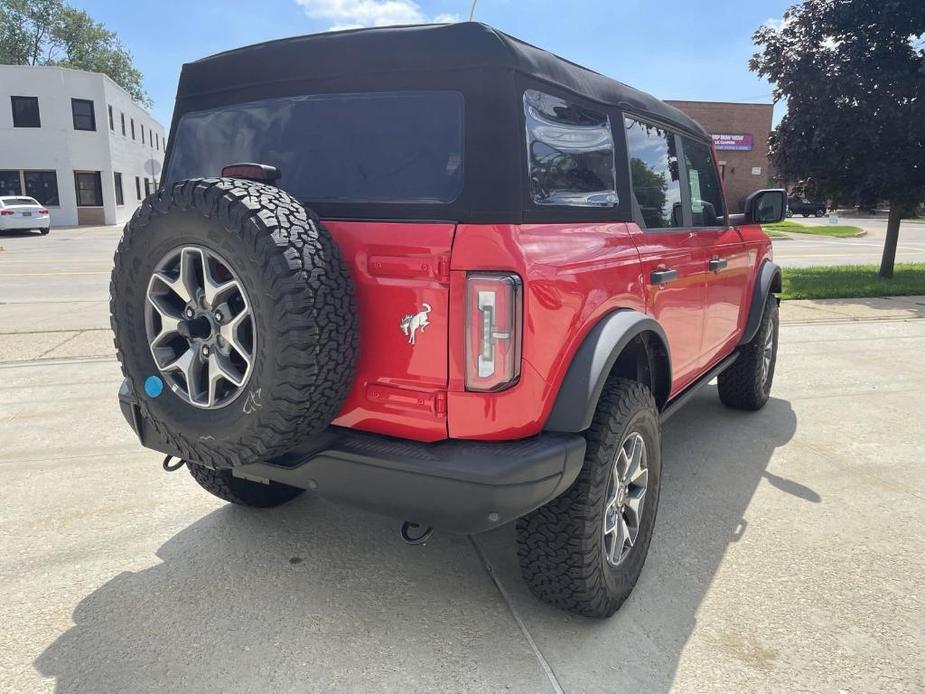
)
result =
(853, 74)
(51, 32)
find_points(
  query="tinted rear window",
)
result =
(19, 201)
(379, 147)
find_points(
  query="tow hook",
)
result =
(172, 467)
(418, 538)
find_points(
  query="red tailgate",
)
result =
(397, 268)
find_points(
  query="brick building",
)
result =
(740, 135)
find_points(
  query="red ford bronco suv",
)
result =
(444, 275)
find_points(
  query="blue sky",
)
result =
(675, 49)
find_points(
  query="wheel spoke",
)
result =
(229, 333)
(213, 289)
(625, 532)
(218, 369)
(190, 365)
(191, 261)
(634, 505)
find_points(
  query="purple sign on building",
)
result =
(736, 142)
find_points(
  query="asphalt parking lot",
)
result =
(789, 552)
(815, 250)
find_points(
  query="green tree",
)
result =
(853, 74)
(51, 32)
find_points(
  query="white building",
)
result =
(76, 142)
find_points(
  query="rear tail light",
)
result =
(494, 309)
(6, 213)
(43, 211)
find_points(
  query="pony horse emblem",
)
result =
(410, 324)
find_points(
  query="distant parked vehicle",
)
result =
(805, 207)
(22, 214)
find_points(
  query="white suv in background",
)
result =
(22, 213)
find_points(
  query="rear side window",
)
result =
(707, 206)
(654, 172)
(570, 153)
(388, 147)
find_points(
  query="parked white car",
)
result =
(23, 213)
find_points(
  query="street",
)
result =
(806, 249)
(788, 552)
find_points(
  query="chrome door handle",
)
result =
(663, 276)
(717, 264)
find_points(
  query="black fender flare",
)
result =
(768, 280)
(591, 366)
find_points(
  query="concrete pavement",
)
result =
(788, 553)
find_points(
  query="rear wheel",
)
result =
(746, 385)
(45, 230)
(224, 485)
(584, 550)
(820, 213)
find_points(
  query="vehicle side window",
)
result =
(570, 153)
(707, 206)
(654, 172)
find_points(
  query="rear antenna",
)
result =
(472, 9)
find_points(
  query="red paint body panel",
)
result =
(397, 267)
(573, 274)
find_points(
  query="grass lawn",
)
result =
(851, 281)
(917, 220)
(839, 230)
(775, 234)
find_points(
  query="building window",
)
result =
(122, 117)
(112, 124)
(138, 187)
(570, 157)
(9, 183)
(157, 141)
(133, 128)
(43, 186)
(84, 116)
(26, 112)
(120, 198)
(654, 173)
(89, 188)
(140, 125)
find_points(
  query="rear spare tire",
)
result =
(234, 319)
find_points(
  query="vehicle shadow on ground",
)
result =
(315, 596)
(713, 461)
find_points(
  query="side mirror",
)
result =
(767, 206)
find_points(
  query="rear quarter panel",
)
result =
(573, 274)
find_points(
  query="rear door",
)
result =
(673, 259)
(727, 266)
(401, 272)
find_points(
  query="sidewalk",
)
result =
(827, 310)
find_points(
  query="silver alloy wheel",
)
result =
(626, 491)
(766, 356)
(200, 326)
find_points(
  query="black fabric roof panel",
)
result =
(395, 50)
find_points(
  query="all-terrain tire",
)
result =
(746, 385)
(561, 545)
(303, 306)
(224, 485)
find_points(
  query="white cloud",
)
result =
(776, 24)
(352, 14)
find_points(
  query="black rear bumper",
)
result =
(463, 486)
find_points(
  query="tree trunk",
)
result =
(892, 238)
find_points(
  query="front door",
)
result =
(727, 266)
(674, 261)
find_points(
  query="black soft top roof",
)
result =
(409, 49)
(489, 68)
